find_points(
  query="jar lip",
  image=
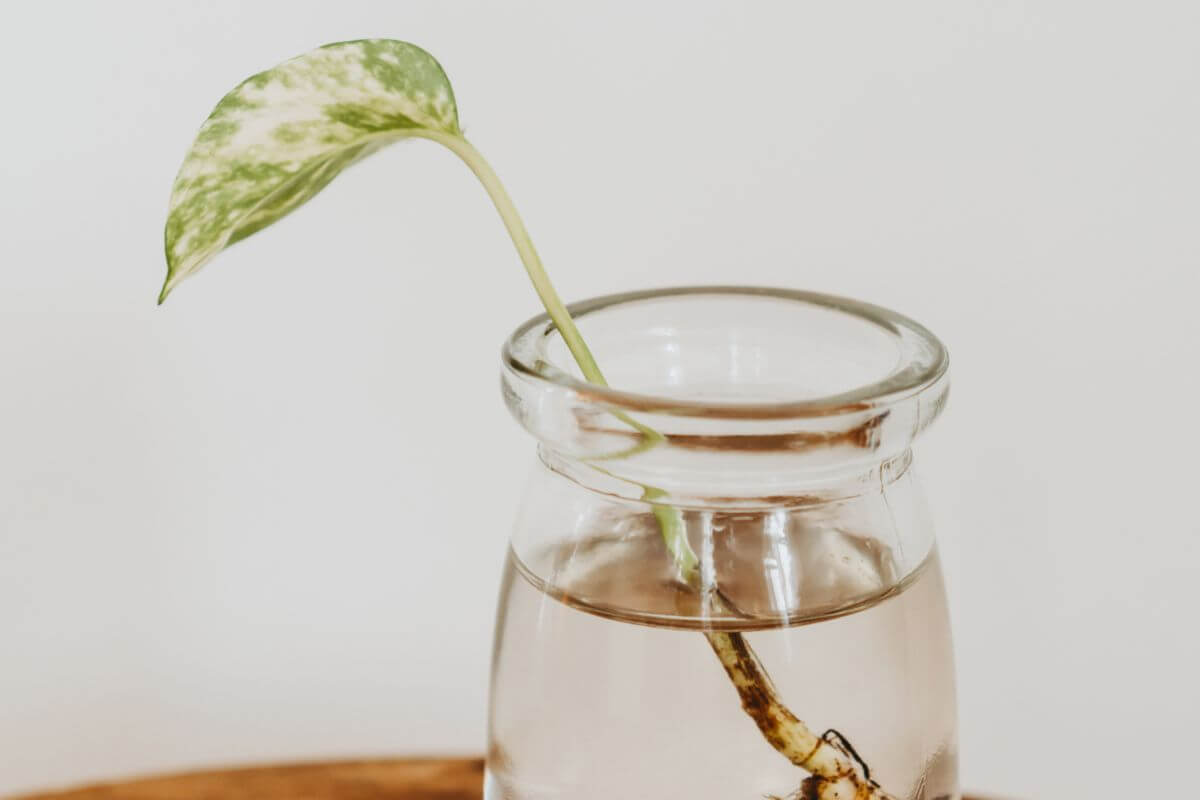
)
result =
(924, 360)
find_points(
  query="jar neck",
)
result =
(734, 482)
(731, 392)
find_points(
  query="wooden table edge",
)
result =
(365, 779)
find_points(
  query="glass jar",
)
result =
(723, 578)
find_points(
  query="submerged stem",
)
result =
(836, 773)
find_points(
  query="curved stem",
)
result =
(835, 774)
(672, 528)
(529, 256)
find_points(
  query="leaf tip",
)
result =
(167, 286)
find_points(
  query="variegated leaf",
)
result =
(284, 134)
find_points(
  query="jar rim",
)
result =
(923, 363)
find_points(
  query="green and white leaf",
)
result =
(284, 134)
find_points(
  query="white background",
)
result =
(266, 521)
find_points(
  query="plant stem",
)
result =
(836, 773)
(529, 255)
(554, 305)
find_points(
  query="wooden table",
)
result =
(399, 779)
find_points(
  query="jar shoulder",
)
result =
(797, 560)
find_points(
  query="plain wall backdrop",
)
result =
(266, 521)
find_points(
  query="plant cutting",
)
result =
(279, 137)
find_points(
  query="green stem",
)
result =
(669, 518)
(835, 774)
(529, 256)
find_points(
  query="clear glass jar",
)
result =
(748, 489)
